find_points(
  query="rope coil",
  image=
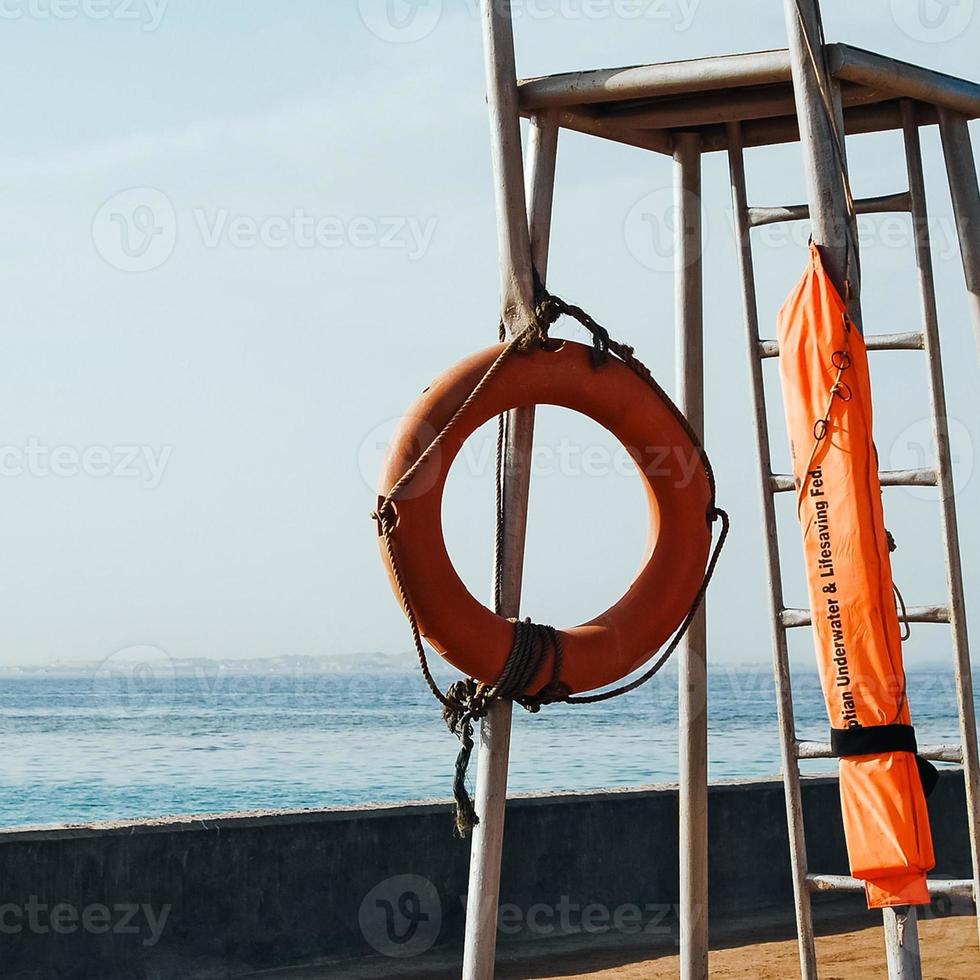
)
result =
(468, 701)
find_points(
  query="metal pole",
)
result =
(516, 279)
(897, 78)
(647, 81)
(902, 943)
(962, 173)
(780, 651)
(947, 499)
(822, 138)
(692, 693)
(829, 216)
(541, 157)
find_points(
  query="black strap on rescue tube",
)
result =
(880, 739)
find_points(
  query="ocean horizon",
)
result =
(150, 737)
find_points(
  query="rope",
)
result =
(499, 505)
(904, 618)
(841, 360)
(550, 308)
(467, 701)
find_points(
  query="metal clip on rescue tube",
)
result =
(527, 663)
(827, 393)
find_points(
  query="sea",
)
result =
(153, 738)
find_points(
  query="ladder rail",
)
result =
(947, 501)
(961, 176)
(780, 651)
(940, 476)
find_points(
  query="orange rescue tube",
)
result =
(679, 492)
(855, 623)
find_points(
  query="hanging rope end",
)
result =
(464, 815)
(464, 703)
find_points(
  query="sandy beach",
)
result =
(756, 948)
(949, 952)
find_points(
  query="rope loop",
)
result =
(841, 361)
(549, 308)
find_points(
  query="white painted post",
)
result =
(902, 943)
(780, 650)
(831, 225)
(947, 494)
(516, 276)
(829, 215)
(693, 673)
(962, 173)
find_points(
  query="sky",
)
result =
(240, 238)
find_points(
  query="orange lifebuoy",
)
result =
(680, 499)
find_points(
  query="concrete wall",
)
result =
(215, 898)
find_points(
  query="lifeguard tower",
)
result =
(818, 94)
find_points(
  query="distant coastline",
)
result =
(359, 663)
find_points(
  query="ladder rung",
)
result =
(784, 483)
(794, 618)
(781, 483)
(800, 212)
(934, 753)
(882, 341)
(844, 883)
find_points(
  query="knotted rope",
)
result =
(468, 701)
